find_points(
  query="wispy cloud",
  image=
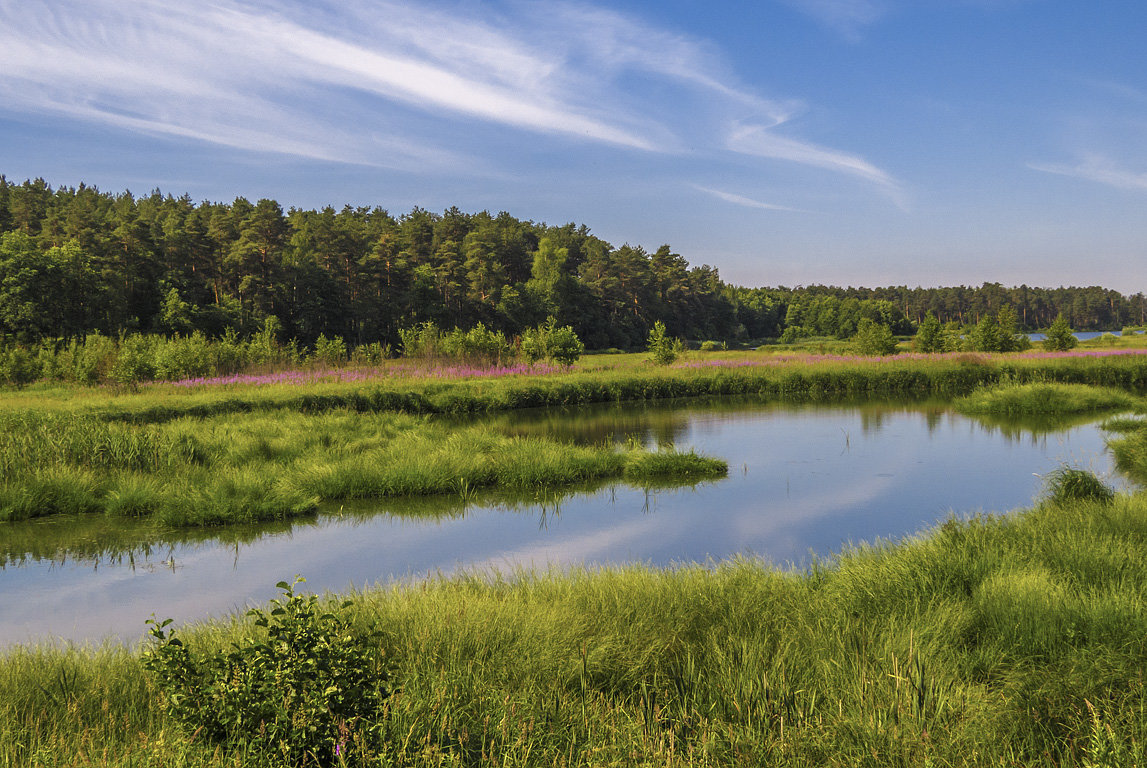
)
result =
(848, 17)
(393, 84)
(746, 202)
(1098, 169)
(764, 141)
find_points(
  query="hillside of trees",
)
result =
(75, 260)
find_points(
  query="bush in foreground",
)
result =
(306, 692)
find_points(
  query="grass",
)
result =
(1047, 399)
(1016, 640)
(266, 466)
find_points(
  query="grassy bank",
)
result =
(607, 378)
(1016, 640)
(264, 466)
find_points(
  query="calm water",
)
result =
(801, 480)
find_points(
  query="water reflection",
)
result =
(802, 479)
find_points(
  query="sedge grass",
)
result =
(267, 466)
(1016, 640)
(1046, 399)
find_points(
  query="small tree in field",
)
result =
(930, 335)
(1059, 336)
(561, 345)
(873, 338)
(662, 349)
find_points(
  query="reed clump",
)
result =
(987, 641)
(1045, 398)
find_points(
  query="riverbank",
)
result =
(996, 640)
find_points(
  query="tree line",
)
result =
(76, 260)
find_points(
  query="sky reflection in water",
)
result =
(802, 479)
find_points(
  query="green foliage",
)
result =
(1067, 485)
(18, 366)
(423, 340)
(305, 692)
(712, 346)
(479, 345)
(330, 352)
(929, 336)
(181, 357)
(135, 362)
(662, 349)
(873, 338)
(548, 342)
(1059, 336)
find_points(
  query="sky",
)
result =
(785, 142)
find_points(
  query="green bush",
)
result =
(873, 338)
(1068, 484)
(182, 357)
(478, 345)
(370, 354)
(18, 366)
(559, 345)
(662, 349)
(308, 692)
(135, 361)
(1059, 337)
(712, 346)
(331, 352)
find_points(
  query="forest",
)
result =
(77, 260)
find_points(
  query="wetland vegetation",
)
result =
(175, 371)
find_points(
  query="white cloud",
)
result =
(763, 141)
(847, 17)
(746, 202)
(388, 83)
(1098, 169)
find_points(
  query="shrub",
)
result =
(89, 361)
(1068, 484)
(18, 366)
(873, 338)
(423, 340)
(477, 345)
(662, 349)
(712, 346)
(307, 692)
(135, 361)
(370, 354)
(560, 345)
(331, 352)
(228, 353)
(1059, 337)
(182, 357)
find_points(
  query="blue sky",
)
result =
(853, 142)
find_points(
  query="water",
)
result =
(802, 480)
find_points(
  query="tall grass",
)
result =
(1047, 399)
(1015, 640)
(266, 466)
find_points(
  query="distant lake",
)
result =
(802, 480)
(1081, 335)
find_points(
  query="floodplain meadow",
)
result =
(989, 640)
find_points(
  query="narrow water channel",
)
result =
(803, 480)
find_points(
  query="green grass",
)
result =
(265, 466)
(1047, 399)
(1016, 640)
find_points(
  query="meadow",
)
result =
(991, 640)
